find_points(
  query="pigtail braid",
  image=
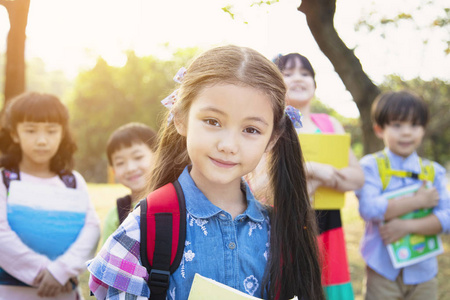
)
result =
(293, 265)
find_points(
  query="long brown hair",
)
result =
(293, 267)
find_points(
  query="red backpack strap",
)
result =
(163, 234)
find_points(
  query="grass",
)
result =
(105, 195)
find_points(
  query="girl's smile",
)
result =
(131, 165)
(223, 164)
(300, 84)
(228, 129)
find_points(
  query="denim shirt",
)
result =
(233, 252)
(373, 205)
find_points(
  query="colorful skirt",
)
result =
(333, 255)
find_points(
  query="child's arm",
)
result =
(373, 206)
(48, 286)
(346, 179)
(16, 258)
(437, 222)
(423, 198)
(352, 176)
(442, 210)
(116, 252)
(396, 228)
(312, 185)
(72, 262)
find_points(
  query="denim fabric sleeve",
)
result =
(442, 210)
(372, 205)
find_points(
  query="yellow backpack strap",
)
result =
(384, 166)
(427, 170)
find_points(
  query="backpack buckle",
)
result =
(159, 278)
(414, 175)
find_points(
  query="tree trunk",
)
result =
(320, 16)
(15, 51)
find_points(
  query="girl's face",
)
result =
(39, 141)
(228, 129)
(300, 84)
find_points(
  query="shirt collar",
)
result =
(409, 163)
(200, 207)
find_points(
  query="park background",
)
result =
(111, 62)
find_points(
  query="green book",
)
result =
(413, 248)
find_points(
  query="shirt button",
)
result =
(231, 245)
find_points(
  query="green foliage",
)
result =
(227, 9)
(38, 79)
(107, 97)
(260, 3)
(436, 93)
(425, 16)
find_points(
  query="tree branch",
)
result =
(320, 19)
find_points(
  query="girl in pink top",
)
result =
(301, 86)
(45, 241)
(299, 77)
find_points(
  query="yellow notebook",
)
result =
(204, 288)
(329, 149)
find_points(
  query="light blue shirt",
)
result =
(373, 205)
(233, 252)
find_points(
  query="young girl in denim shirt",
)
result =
(228, 112)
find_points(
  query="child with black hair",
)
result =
(400, 119)
(130, 149)
(48, 226)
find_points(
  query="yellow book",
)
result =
(204, 288)
(329, 149)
